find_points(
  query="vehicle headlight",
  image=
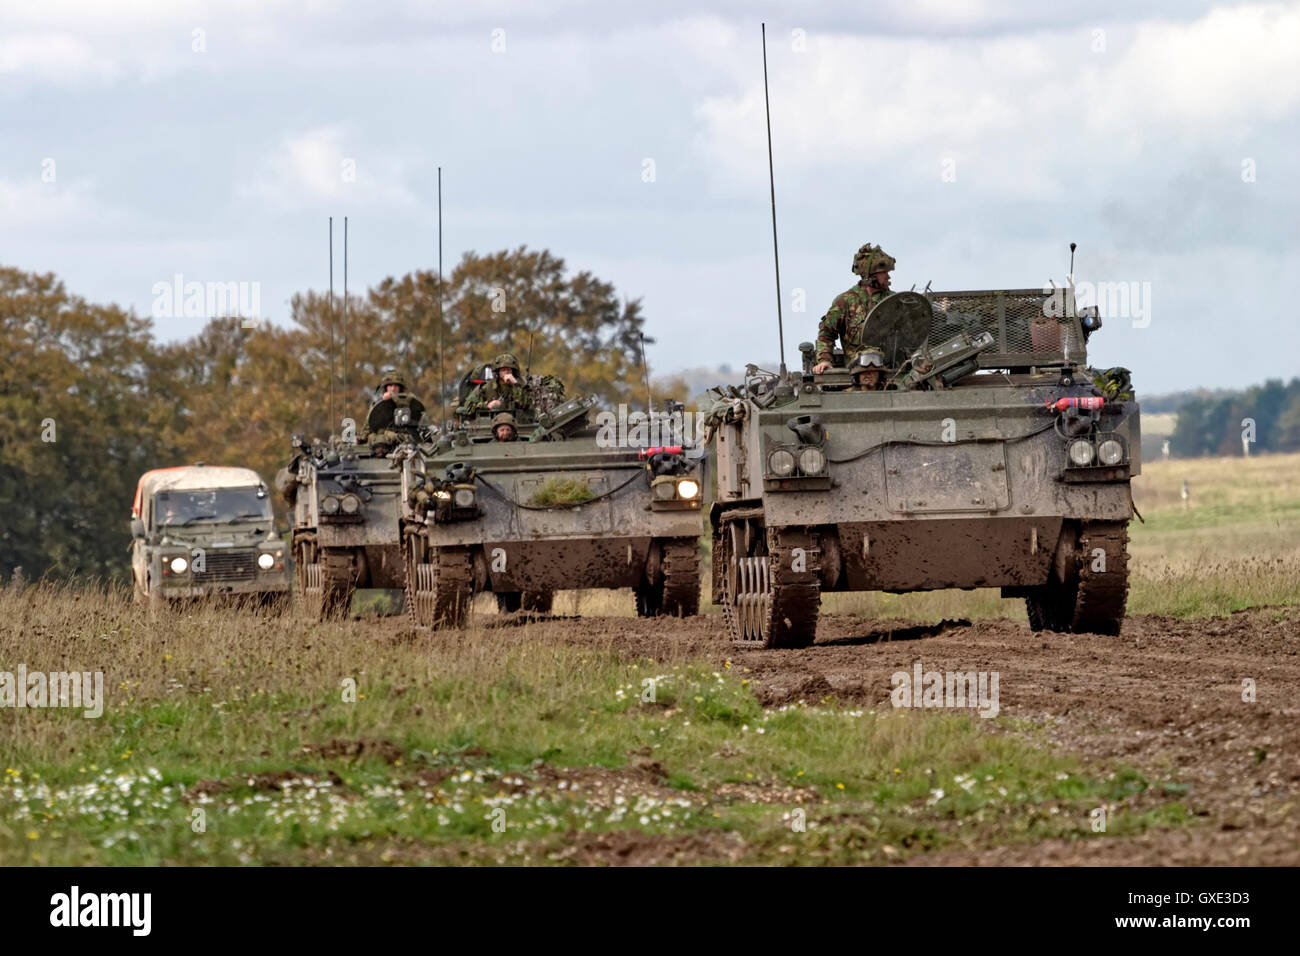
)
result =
(688, 488)
(464, 498)
(330, 505)
(781, 463)
(1110, 451)
(812, 461)
(663, 490)
(1081, 452)
(444, 495)
(350, 504)
(179, 565)
(266, 560)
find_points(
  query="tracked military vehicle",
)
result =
(201, 531)
(569, 504)
(345, 496)
(991, 458)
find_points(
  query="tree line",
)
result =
(90, 399)
(1214, 424)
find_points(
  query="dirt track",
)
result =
(1165, 697)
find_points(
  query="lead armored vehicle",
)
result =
(202, 531)
(568, 504)
(993, 457)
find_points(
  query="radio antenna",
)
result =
(771, 178)
(645, 370)
(344, 369)
(1073, 246)
(528, 369)
(442, 368)
(331, 314)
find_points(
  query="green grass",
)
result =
(245, 725)
(562, 491)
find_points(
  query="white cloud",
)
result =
(326, 164)
(56, 57)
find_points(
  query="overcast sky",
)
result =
(972, 140)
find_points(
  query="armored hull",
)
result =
(1014, 474)
(556, 511)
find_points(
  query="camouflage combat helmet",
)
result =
(872, 259)
(393, 376)
(506, 360)
(866, 360)
(504, 418)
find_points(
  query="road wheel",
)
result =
(772, 588)
(539, 602)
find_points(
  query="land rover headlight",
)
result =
(350, 504)
(464, 498)
(687, 488)
(781, 463)
(266, 560)
(330, 505)
(1081, 452)
(179, 565)
(812, 461)
(1110, 452)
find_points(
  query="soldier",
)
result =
(846, 319)
(381, 428)
(503, 427)
(505, 393)
(868, 369)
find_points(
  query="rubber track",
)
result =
(1099, 606)
(796, 595)
(681, 578)
(440, 595)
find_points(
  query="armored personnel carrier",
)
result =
(992, 457)
(202, 531)
(568, 504)
(344, 496)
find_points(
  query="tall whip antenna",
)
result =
(442, 373)
(645, 370)
(345, 315)
(331, 312)
(771, 178)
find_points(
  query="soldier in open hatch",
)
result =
(503, 427)
(505, 393)
(394, 415)
(868, 368)
(847, 317)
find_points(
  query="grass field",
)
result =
(230, 738)
(236, 738)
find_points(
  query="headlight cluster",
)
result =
(1107, 451)
(669, 488)
(266, 560)
(810, 459)
(349, 505)
(179, 565)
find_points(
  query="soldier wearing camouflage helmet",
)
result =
(847, 317)
(868, 369)
(504, 428)
(381, 429)
(506, 392)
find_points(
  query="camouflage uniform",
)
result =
(513, 398)
(847, 317)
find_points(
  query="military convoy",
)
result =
(992, 458)
(201, 532)
(564, 505)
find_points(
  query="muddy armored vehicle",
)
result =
(568, 504)
(344, 495)
(991, 457)
(203, 531)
